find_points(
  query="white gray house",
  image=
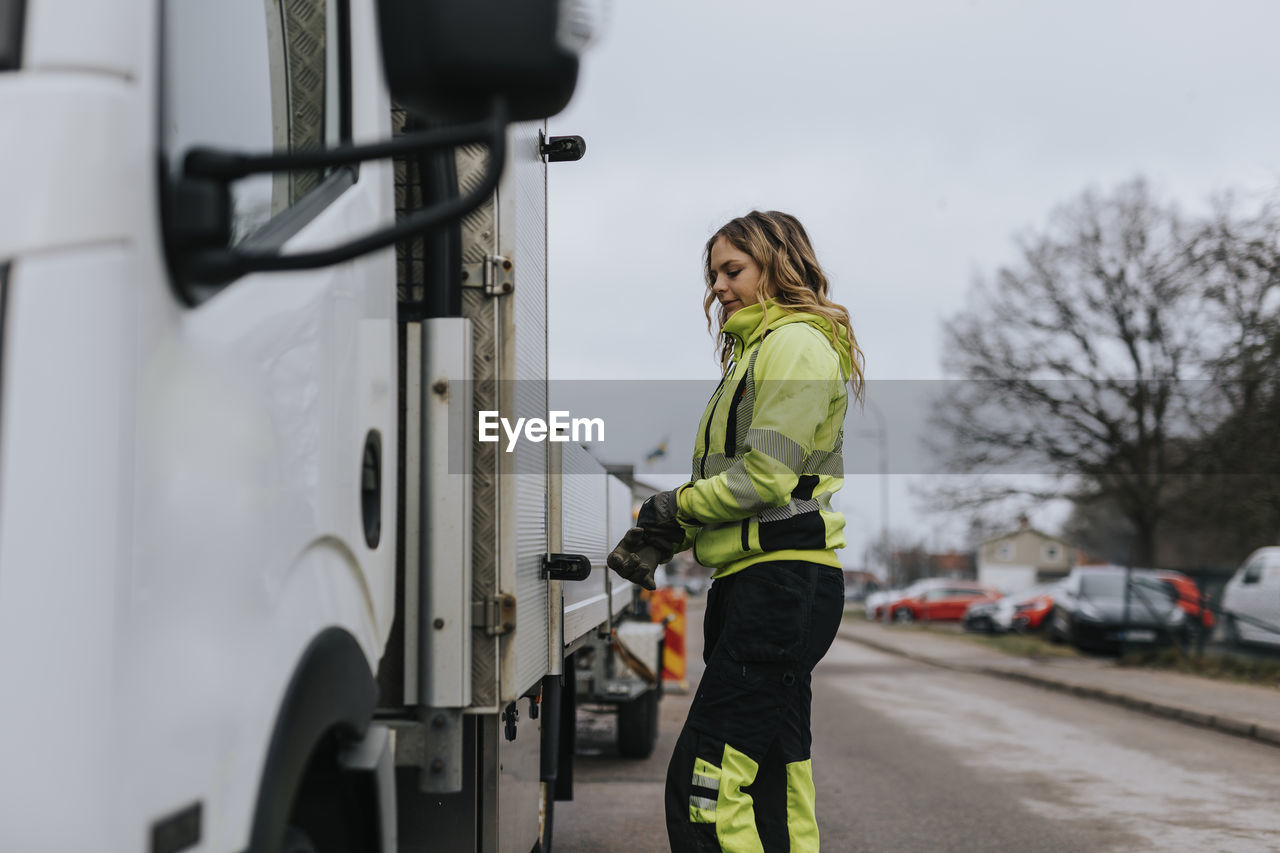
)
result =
(1012, 562)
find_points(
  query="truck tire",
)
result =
(304, 790)
(638, 726)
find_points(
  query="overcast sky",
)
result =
(913, 139)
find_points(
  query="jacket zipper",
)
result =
(731, 426)
(706, 436)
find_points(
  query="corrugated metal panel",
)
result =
(620, 517)
(618, 522)
(523, 656)
(522, 236)
(584, 508)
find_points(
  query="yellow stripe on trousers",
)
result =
(735, 816)
(734, 813)
(802, 819)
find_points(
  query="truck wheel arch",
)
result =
(332, 691)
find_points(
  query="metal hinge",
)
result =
(496, 274)
(495, 616)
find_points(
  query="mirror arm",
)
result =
(217, 265)
(229, 166)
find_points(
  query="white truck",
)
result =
(261, 586)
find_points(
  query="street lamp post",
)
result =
(882, 431)
(882, 439)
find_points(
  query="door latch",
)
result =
(562, 149)
(565, 567)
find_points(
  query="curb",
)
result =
(1226, 725)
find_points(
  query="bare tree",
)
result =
(1239, 259)
(1098, 527)
(1074, 357)
(1231, 503)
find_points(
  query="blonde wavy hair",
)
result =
(789, 274)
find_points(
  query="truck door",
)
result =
(265, 500)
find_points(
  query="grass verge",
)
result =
(1220, 667)
(1025, 645)
(1225, 667)
(1017, 645)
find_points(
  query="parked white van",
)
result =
(1251, 601)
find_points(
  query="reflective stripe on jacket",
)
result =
(767, 456)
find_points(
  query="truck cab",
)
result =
(233, 244)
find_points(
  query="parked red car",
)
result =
(1189, 597)
(1031, 607)
(889, 598)
(945, 602)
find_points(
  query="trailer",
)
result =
(264, 585)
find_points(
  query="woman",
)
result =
(758, 511)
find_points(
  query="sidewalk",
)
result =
(1238, 709)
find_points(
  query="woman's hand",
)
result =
(637, 556)
(654, 540)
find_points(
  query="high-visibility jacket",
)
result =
(767, 456)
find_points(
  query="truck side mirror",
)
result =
(471, 66)
(449, 60)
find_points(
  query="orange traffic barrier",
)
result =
(673, 603)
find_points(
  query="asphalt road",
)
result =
(908, 757)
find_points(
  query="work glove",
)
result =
(651, 543)
(637, 556)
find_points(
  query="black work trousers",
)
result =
(741, 778)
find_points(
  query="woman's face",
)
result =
(734, 276)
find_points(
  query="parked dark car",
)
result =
(1092, 610)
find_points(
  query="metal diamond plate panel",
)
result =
(484, 493)
(478, 243)
(304, 34)
(477, 226)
